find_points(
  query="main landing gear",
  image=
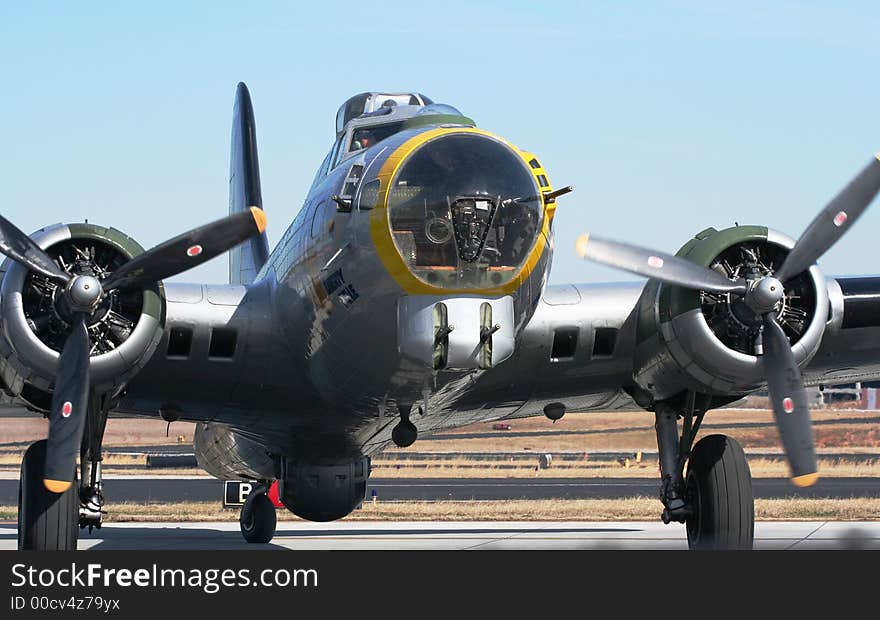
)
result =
(258, 519)
(714, 499)
(49, 521)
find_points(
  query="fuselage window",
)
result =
(369, 195)
(604, 340)
(179, 342)
(564, 344)
(223, 342)
(322, 171)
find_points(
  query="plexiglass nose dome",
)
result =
(464, 211)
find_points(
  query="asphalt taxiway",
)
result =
(201, 488)
(433, 535)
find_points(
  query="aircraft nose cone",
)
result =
(84, 292)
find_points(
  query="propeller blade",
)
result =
(664, 267)
(833, 221)
(789, 399)
(187, 250)
(22, 249)
(68, 414)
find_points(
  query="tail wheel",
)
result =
(719, 491)
(258, 519)
(46, 521)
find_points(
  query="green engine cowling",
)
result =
(124, 330)
(708, 342)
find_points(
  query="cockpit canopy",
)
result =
(365, 103)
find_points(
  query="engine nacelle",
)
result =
(325, 491)
(124, 330)
(707, 342)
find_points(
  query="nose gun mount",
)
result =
(456, 332)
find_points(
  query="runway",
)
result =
(434, 535)
(166, 489)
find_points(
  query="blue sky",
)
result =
(667, 117)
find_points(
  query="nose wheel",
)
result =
(258, 519)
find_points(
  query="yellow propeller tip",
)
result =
(259, 218)
(807, 480)
(57, 486)
(580, 246)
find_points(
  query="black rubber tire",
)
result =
(46, 521)
(719, 490)
(258, 519)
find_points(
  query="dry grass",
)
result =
(630, 468)
(753, 428)
(12, 459)
(629, 509)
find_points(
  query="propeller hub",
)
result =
(765, 294)
(84, 292)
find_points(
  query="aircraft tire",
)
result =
(719, 491)
(258, 519)
(46, 521)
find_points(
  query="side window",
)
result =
(334, 154)
(322, 171)
(324, 212)
(352, 180)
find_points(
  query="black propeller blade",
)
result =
(68, 413)
(187, 250)
(833, 221)
(664, 267)
(21, 248)
(784, 380)
(789, 400)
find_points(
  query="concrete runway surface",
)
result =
(436, 535)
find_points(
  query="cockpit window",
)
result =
(366, 137)
(465, 212)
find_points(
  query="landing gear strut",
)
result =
(51, 521)
(715, 499)
(91, 491)
(258, 519)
